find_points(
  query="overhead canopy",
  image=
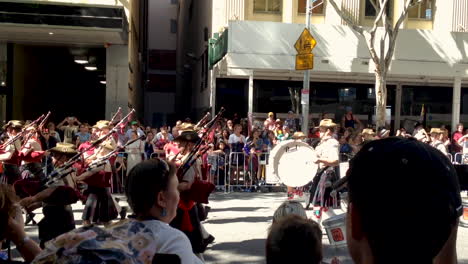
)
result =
(62, 23)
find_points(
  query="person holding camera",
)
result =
(70, 129)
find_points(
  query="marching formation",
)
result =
(44, 172)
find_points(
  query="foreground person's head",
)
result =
(151, 190)
(404, 202)
(289, 208)
(294, 239)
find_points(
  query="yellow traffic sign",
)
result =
(304, 61)
(305, 43)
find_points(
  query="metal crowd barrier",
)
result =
(121, 169)
(218, 168)
(242, 170)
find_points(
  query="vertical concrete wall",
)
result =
(117, 75)
(160, 14)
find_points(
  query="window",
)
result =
(267, 6)
(370, 10)
(317, 7)
(422, 10)
(173, 26)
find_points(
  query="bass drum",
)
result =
(292, 163)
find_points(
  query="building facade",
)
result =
(253, 59)
(70, 57)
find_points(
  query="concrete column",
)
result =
(117, 74)
(456, 102)
(398, 107)
(250, 102)
(288, 11)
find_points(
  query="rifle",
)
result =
(119, 111)
(203, 121)
(95, 164)
(39, 127)
(102, 160)
(192, 157)
(20, 134)
(75, 158)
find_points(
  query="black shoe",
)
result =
(30, 218)
(209, 240)
(123, 213)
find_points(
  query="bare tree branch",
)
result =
(394, 35)
(346, 18)
(374, 4)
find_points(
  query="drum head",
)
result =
(293, 163)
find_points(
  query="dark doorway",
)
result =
(48, 78)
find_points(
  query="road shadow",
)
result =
(252, 247)
(249, 219)
(237, 209)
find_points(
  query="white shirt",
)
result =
(235, 139)
(169, 240)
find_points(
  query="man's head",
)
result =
(460, 127)
(237, 129)
(327, 128)
(404, 201)
(229, 123)
(290, 114)
(435, 134)
(349, 110)
(84, 128)
(294, 239)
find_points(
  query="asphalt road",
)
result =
(240, 221)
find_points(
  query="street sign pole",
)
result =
(305, 91)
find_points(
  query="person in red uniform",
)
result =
(99, 207)
(31, 155)
(56, 199)
(9, 156)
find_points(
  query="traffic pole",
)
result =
(305, 96)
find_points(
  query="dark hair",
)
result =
(8, 199)
(294, 239)
(145, 181)
(413, 178)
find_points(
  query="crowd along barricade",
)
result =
(120, 172)
(218, 167)
(124, 162)
(238, 171)
(460, 158)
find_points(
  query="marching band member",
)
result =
(100, 207)
(31, 155)
(10, 155)
(327, 158)
(56, 200)
(187, 219)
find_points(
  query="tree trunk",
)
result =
(380, 99)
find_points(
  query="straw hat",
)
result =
(299, 135)
(187, 133)
(102, 124)
(368, 131)
(327, 123)
(65, 148)
(13, 124)
(435, 130)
